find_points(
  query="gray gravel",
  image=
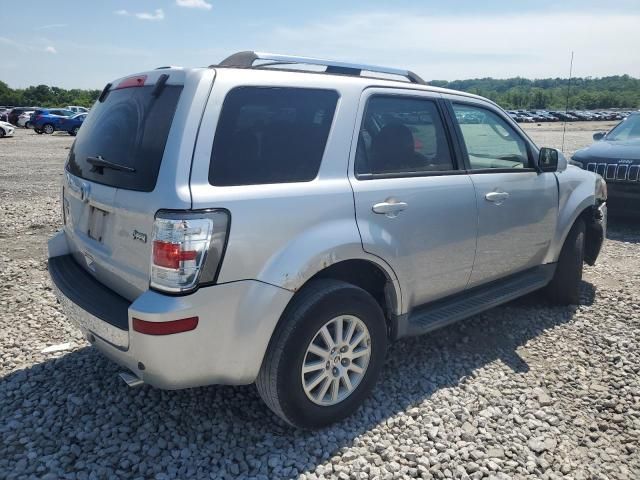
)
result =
(523, 391)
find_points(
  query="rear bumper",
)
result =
(236, 321)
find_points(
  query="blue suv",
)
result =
(48, 120)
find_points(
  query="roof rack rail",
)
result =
(248, 58)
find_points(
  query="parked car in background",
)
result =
(77, 109)
(547, 116)
(615, 155)
(71, 124)
(47, 120)
(519, 117)
(4, 114)
(17, 111)
(564, 116)
(6, 129)
(24, 120)
(403, 215)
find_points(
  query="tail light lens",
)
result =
(187, 249)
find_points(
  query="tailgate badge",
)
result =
(142, 237)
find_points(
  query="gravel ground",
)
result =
(523, 391)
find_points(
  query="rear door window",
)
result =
(128, 129)
(271, 135)
(402, 136)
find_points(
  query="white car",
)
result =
(24, 119)
(76, 109)
(6, 129)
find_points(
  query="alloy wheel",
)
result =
(336, 360)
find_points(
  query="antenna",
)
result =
(566, 107)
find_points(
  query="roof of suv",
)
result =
(293, 67)
(360, 73)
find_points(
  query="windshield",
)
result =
(127, 132)
(628, 129)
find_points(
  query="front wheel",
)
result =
(564, 288)
(74, 132)
(325, 356)
(48, 128)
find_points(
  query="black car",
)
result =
(16, 112)
(616, 156)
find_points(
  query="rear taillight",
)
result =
(187, 249)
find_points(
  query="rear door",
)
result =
(517, 205)
(414, 207)
(114, 183)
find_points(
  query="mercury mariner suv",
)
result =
(281, 220)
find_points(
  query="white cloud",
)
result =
(454, 47)
(158, 14)
(53, 25)
(194, 4)
(50, 49)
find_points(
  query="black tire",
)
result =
(27, 125)
(74, 131)
(564, 288)
(2, 133)
(48, 128)
(38, 131)
(279, 381)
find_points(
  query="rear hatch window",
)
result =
(122, 140)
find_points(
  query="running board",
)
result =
(462, 305)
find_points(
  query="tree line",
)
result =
(46, 96)
(619, 91)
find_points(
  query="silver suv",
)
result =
(280, 220)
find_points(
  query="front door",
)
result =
(517, 204)
(414, 207)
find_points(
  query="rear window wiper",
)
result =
(99, 164)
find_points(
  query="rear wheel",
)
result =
(2, 133)
(48, 128)
(27, 125)
(564, 288)
(38, 131)
(325, 356)
(74, 131)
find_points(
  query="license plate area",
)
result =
(97, 219)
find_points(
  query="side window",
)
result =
(490, 141)
(402, 135)
(271, 135)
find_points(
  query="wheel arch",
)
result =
(371, 275)
(576, 200)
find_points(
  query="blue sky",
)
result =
(84, 44)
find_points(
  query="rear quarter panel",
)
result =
(283, 234)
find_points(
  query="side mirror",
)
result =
(599, 135)
(548, 159)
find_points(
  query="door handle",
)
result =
(496, 197)
(390, 209)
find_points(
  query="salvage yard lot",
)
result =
(523, 390)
